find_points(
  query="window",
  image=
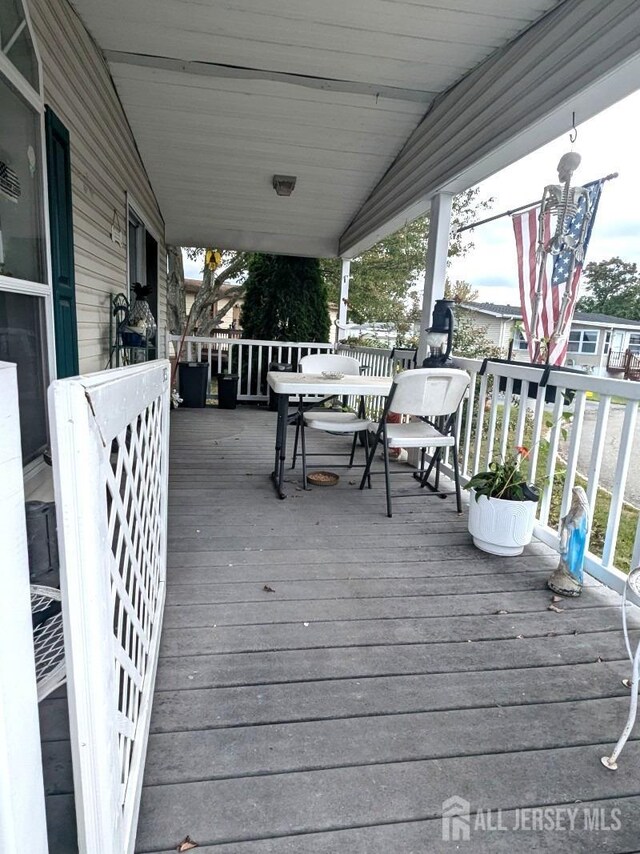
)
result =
(15, 41)
(634, 342)
(22, 341)
(519, 341)
(583, 341)
(25, 293)
(607, 342)
(22, 248)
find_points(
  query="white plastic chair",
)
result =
(343, 423)
(433, 396)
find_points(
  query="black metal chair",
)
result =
(433, 396)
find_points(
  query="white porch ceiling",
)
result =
(223, 94)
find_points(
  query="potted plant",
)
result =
(502, 506)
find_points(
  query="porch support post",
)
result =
(435, 264)
(22, 812)
(344, 297)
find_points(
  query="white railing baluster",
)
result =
(468, 417)
(250, 370)
(493, 414)
(506, 418)
(574, 449)
(597, 451)
(482, 400)
(536, 435)
(619, 481)
(522, 413)
(552, 458)
(635, 554)
(239, 351)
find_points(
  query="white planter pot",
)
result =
(501, 527)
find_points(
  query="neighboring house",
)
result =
(192, 286)
(595, 340)
(79, 220)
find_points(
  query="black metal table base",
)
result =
(277, 475)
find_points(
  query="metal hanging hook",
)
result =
(573, 133)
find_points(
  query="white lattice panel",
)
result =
(111, 452)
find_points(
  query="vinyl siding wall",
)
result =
(105, 166)
(497, 329)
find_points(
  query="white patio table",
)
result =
(288, 384)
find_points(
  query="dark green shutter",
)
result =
(62, 262)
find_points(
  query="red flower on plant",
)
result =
(524, 452)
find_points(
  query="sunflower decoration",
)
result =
(212, 259)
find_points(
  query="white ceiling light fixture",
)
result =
(284, 184)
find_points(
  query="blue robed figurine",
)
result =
(567, 578)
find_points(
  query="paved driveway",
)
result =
(611, 446)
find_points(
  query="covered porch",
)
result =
(391, 667)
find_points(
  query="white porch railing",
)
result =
(247, 358)
(22, 812)
(110, 436)
(506, 408)
(491, 424)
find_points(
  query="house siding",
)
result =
(105, 166)
(496, 329)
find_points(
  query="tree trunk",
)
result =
(176, 302)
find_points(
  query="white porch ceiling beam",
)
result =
(233, 72)
(583, 55)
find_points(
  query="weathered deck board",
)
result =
(271, 736)
(338, 712)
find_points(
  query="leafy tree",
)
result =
(220, 268)
(384, 278)
(613, 287)
(285, 299)
(470, 339)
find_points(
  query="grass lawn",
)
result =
(629, 516)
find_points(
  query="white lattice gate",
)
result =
(110, 435)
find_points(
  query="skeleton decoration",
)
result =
(561, 200)
(568, 577)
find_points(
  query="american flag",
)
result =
(525, 226)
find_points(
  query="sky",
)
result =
(609, 142)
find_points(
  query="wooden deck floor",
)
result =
(391, 667)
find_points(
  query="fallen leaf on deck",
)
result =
(268, 589)
(187, 844)
(352, 483)
(599, 659)
(555, 609)
(556, 598)
(502, 611)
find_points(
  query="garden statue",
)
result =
(567, 578)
